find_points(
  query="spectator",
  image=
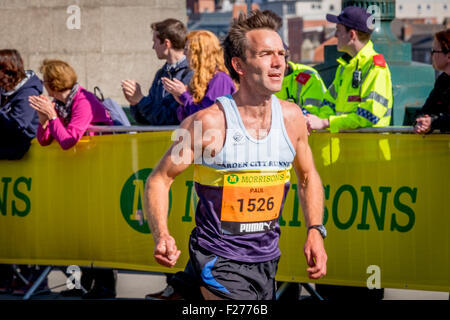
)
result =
(210, 79)
(66, 119)
(18, 125)
(435, 114)
(160, 107)
(361, 93)
(18, 122)
(73, 109)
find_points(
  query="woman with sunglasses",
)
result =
(435, 114)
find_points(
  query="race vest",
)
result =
(242, 189)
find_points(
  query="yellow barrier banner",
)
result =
(386, 208)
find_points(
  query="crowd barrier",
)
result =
(386, 207)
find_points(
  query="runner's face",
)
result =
(265, 63)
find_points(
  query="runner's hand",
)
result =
(316, 257)
(166, 252)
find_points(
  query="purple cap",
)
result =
(353, 17)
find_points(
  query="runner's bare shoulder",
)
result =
(293, 117)
(212, 117)
(210, 122)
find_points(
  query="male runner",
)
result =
(242, 177)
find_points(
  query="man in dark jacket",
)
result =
(159, 107)
(18, 121)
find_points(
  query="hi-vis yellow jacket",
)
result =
(303, 86)
(367, 105)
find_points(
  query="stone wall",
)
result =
(114, 41)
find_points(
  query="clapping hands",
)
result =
(132, 91)
(44, 107)
(175, 87)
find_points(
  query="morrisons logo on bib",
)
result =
(232, 179)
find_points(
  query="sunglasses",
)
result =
(436, 51)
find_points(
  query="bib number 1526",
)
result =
(256, 204)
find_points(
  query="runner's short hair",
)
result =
(276, 17)
(235, 43)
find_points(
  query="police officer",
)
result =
(303, 86)
(361, 93)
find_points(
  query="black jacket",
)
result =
(438, 104)
(18, 121)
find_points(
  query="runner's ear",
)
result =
(237, 65)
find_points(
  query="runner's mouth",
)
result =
(275, 75)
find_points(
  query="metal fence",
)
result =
(135, 129)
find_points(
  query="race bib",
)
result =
(251, 202)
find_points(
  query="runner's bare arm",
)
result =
(309, 184)
(176, 159)
(310, 189)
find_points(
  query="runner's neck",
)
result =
(253, 101)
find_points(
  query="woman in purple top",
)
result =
(68, 116)
(210, 79)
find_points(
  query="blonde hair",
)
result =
(58, 75)
(205, 59)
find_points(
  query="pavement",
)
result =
(135, 285)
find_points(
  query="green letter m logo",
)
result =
(232, 179)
